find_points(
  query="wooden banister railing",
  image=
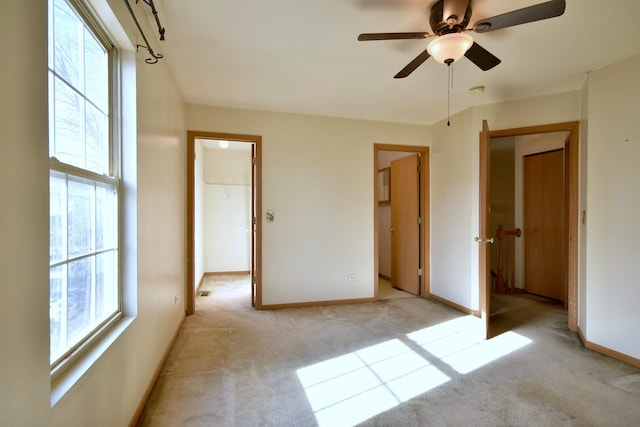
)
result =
(505, 276)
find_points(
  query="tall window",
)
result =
(84, 290)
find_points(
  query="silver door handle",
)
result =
(484, 240)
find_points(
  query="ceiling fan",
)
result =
(449, 20)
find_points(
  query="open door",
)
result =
(405, 224)
(483, 238)
(566, 219)
(254, 224)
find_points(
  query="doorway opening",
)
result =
(527, 219)
(223, 202)
(550, 154)
(401, 221)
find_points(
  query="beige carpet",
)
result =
(398, 362)
(386, 291)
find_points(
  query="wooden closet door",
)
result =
(544, 224)
(405, 230)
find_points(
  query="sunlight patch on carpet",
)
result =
(354, 387)
(458, 344)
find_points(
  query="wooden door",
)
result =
(484, 256)
(566, 219)
(405, 227)
(544, 224)
(254, 224)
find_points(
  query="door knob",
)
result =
(392, 229)
(484, 240)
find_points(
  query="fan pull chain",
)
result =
(451, 68)
(449, 86)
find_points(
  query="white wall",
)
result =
(613, 189)
(227, 210)
(453, 268)
(227, 238)
(109, 392)
(582, 241)
(229, 166)
(24, 216)
(318, 179)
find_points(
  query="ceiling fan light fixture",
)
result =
(450, 47)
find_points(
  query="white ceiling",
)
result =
(302, 56)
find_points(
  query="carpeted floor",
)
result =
(386, 291)
(397, 362)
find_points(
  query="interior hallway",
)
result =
(404, 361)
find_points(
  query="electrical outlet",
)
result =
(175, 300)
(352, 277)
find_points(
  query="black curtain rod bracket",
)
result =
(155, 15)
(154, 56)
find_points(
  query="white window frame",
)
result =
(113, 178)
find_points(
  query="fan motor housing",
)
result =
(438, 22)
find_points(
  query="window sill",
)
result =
(65, 381)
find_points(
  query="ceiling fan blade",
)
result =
(393, 36)
(484, 59)
(537, 12)
(411, 66)
(457, 8)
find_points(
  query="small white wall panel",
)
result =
(227, 213)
